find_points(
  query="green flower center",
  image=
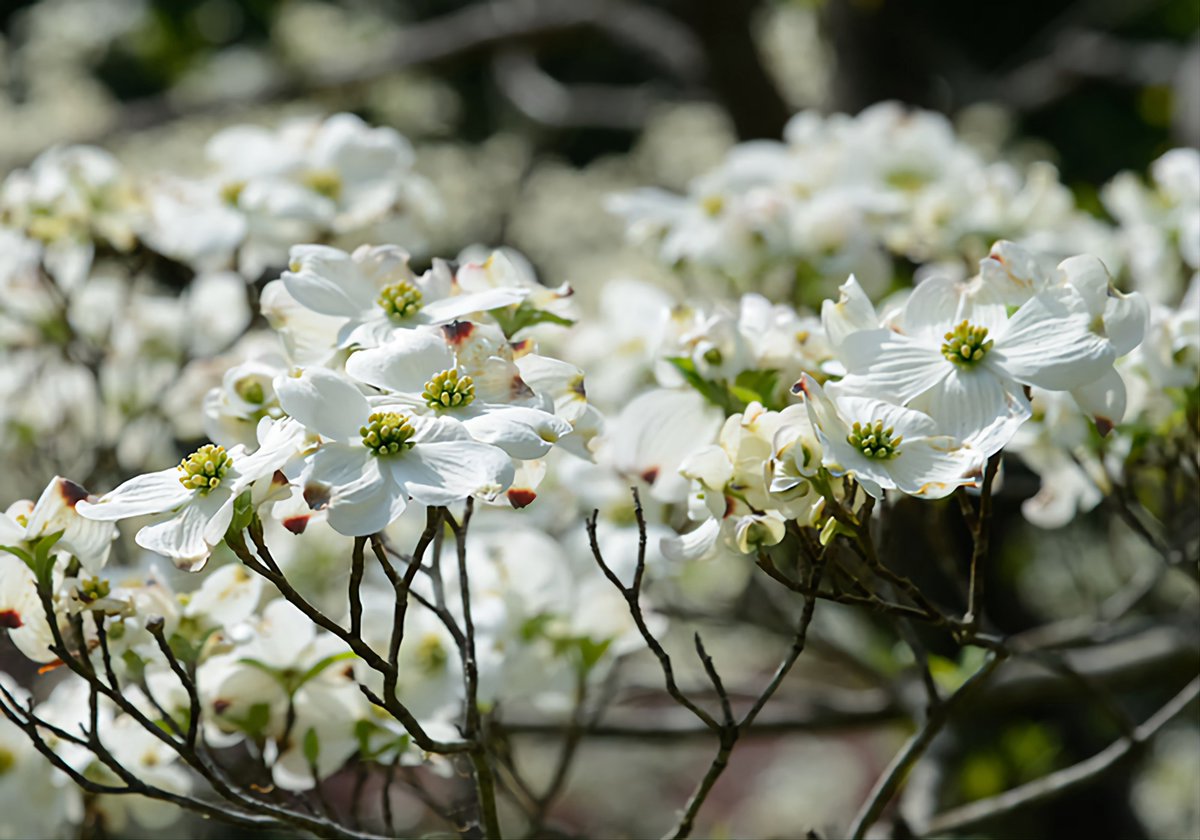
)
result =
(326, 182)
(966, 345)
(448, 389)
(431, 654)
(204, 468)
(387, 433)
(400, 300)
(250, 390)
(874, 441)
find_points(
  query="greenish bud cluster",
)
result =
(326, 182)
(966, 345)
(874, 441)
(400, 300)
(387, 433)
(431, 654)
(204, 468)
(93, 589)
(7, 760)
(250, 390)
(449, 389)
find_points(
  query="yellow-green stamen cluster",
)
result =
(387, 433)
(874, 441)
(326, 182)
(431, 654)
(449, 389)
(966, 345)
(204, 468)
(400, 300)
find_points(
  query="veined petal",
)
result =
(442, 473)
(978, 407)
(1050, 342)
(404, 364)
(324, 402)
(523, 433)
(460, 306)
(892, 367)
(328, 281)
(351, 484)
(934, 467)
(180, 537)
(154, 492)
(905, 421)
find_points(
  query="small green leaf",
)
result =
(514, 319)
(312, 746)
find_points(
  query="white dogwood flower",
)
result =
(376, 293)
(419, 370)
(885, 446)
(377, 456)
(964, 361)
(199, 494)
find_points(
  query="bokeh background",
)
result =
(526, 114)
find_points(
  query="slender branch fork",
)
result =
(484, 745)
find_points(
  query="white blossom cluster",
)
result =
(379, 391)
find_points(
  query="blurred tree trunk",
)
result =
(735, 68)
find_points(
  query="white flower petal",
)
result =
(977, 407)
(324, 402)
(1049, 342)
(180, 537)
(523, 433)
(888, 366)
(404, 364)
(934, 467)
(352, 485)
(442, 473)
(694, 545)
(328, 281)
(460, 306)
(1103, 400)
(143, 494)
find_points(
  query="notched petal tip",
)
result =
(297, 524)
(317, 495)
(520, 497)
(1103, 425)
(10, 620)
(72, 493)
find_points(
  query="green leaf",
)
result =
(256, 720)
(312, 746)
(243, 512)
(43, 560)
(715, 393)
(514, 319)
(25, 556)
(322, 665)
(757, 386)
